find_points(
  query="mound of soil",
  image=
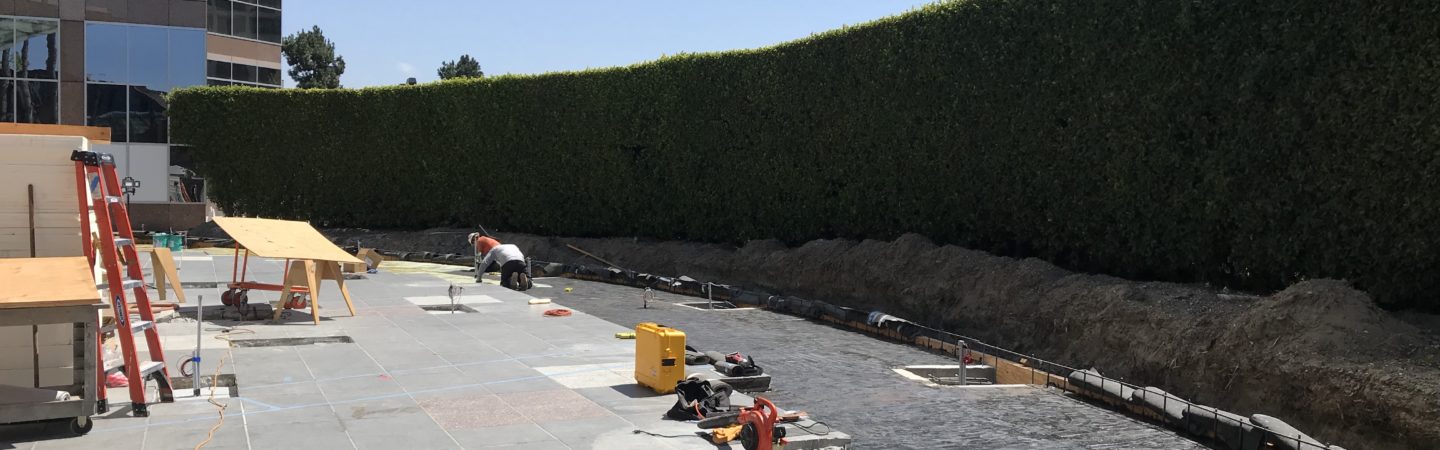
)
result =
(1319, 354)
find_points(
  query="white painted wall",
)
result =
(148, 163)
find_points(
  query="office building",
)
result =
(110, 63)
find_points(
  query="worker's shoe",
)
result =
(518, 281)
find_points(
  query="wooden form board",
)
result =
(95, 134)
(41, 282)
(42, 162)
(271, 238)
(162, 264)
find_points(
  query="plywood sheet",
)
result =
(101, 134)
(37, 282)
(271, 238)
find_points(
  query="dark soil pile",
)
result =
(1319, 354)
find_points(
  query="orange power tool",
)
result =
(760, 425)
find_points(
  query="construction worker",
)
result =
(512, 266)
(483, 244)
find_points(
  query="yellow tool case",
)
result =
(659, 356)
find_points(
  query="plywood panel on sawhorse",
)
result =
(307, 274)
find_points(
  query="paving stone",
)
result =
(337, 360)
(471, 411)
(359, 388)
(583, 432)
(430, 378)
(519, 435)
(553, 405)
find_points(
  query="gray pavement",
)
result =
(502, 377)
(507, 377)
(846, 379)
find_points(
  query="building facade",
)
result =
(110, 63)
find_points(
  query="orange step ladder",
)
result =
(99, 193)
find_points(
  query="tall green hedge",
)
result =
(1247, 143)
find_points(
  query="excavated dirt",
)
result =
(1319, 354)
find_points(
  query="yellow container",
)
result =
(659, 357)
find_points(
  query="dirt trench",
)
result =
(1319, 354)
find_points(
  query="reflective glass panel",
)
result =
(187, 58)
(105, 107)
(219, 20)
(269, 76)
(7, 101)
(218, 83)
(37, 102)
(39, 42)
(149, 56)
(105, 53)
(270, 3)
(147, 115)
(245, 21)
(270, 25)
(244, 72)
(217, 69)
(9, 51)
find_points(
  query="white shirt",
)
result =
(502, 254)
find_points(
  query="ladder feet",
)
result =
(167, 394)
(138, 409)
(102, 406)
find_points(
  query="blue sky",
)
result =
(386, 41)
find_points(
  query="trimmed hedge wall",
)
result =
(1246, 143)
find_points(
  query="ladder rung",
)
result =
(112, 199)
(123, 241)
(137, 326)
(149, 367)
(125, 284)
(146, 367)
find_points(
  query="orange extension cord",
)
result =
(215, 381)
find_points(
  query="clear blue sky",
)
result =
(386, 41)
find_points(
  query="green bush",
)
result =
(1244, 143)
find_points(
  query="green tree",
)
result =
(466, 67)
(313, 63)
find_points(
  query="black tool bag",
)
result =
(699, 398)
(695, 357)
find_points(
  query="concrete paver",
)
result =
(505, 376)
(409, 379)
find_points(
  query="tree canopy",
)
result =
(312, 58)
(466, 67)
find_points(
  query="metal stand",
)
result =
(199, 316)
(85, 344)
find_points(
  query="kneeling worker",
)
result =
(512, 266)
(483, 244)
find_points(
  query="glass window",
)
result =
(269, 76)
(9, 51)
(7, 101)
(270, 25)
(39, 43)
(217, 83)
(270, 3)
(245, 21)
(187, 58)
(217, 69)
(149, 57)
(244, 72)
(105, 107)
(147, 115)
(105, 54)
(219, 21)
(37, 102)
